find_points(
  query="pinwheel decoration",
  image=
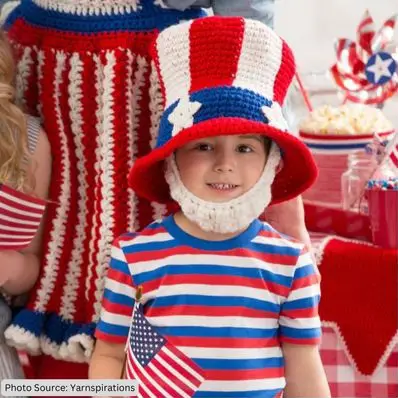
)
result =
(366, 69)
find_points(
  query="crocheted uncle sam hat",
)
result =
(223, 76)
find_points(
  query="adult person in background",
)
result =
(85, 68)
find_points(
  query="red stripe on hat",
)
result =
(285, 74)
(214, 63)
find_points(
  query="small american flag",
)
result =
(160, 368)
(392, 151)
(20, 216)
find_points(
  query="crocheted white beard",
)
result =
(225, 217)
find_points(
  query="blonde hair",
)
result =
(14, 153)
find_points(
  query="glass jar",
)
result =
(361, 167)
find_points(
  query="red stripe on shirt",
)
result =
(117, 309)
(211, 311)
(274, 258)
(250, 374)
(227, 280)
(222, 342)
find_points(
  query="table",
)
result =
(344, 380)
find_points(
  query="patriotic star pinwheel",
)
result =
(366, 69)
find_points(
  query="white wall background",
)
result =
(311, 26)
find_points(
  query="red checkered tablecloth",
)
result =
(346, 382)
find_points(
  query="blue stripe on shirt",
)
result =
(274, 249)
(309, 302)
(300, 333)
(173, 243)
(214, 301)
(206, 269)
(306, 270)
(236, 364)
(238, 394)
(201, 331)
(118, 298)
(113, 330)
(120, 266)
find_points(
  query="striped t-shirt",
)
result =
(228, 305)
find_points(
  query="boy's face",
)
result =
(218, 169)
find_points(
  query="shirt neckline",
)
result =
(232, 243)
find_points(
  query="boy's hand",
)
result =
(288, 218)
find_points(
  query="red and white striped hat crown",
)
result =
(223, 76)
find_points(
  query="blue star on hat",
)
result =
(380, 68)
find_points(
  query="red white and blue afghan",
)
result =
(84, 67)
(223, 76)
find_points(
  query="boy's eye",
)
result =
(204, 147)
(244, 149)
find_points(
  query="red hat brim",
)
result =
(299, 170)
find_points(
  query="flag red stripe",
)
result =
(131, 376)
(164, 378)
(179, 369)
(21, 234)
(141, 376)
(22, 206)
(14, 238)
(7, 246)
(14, 226)
(20, 218)
(22, 196)
(182, 357)
(171, 376)
(12, 213)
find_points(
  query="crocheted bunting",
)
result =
(359, 299)
(20, 218)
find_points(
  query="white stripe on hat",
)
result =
(177, 81)
(260, 60)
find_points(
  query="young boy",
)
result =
(224, 305)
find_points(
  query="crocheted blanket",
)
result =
(359, 299)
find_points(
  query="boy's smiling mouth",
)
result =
(223, 186)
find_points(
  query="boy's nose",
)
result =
(225, 162)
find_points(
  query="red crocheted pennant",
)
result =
(359, 300)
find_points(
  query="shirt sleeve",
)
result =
(262, 10)
(118, 299)
(299, 321)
